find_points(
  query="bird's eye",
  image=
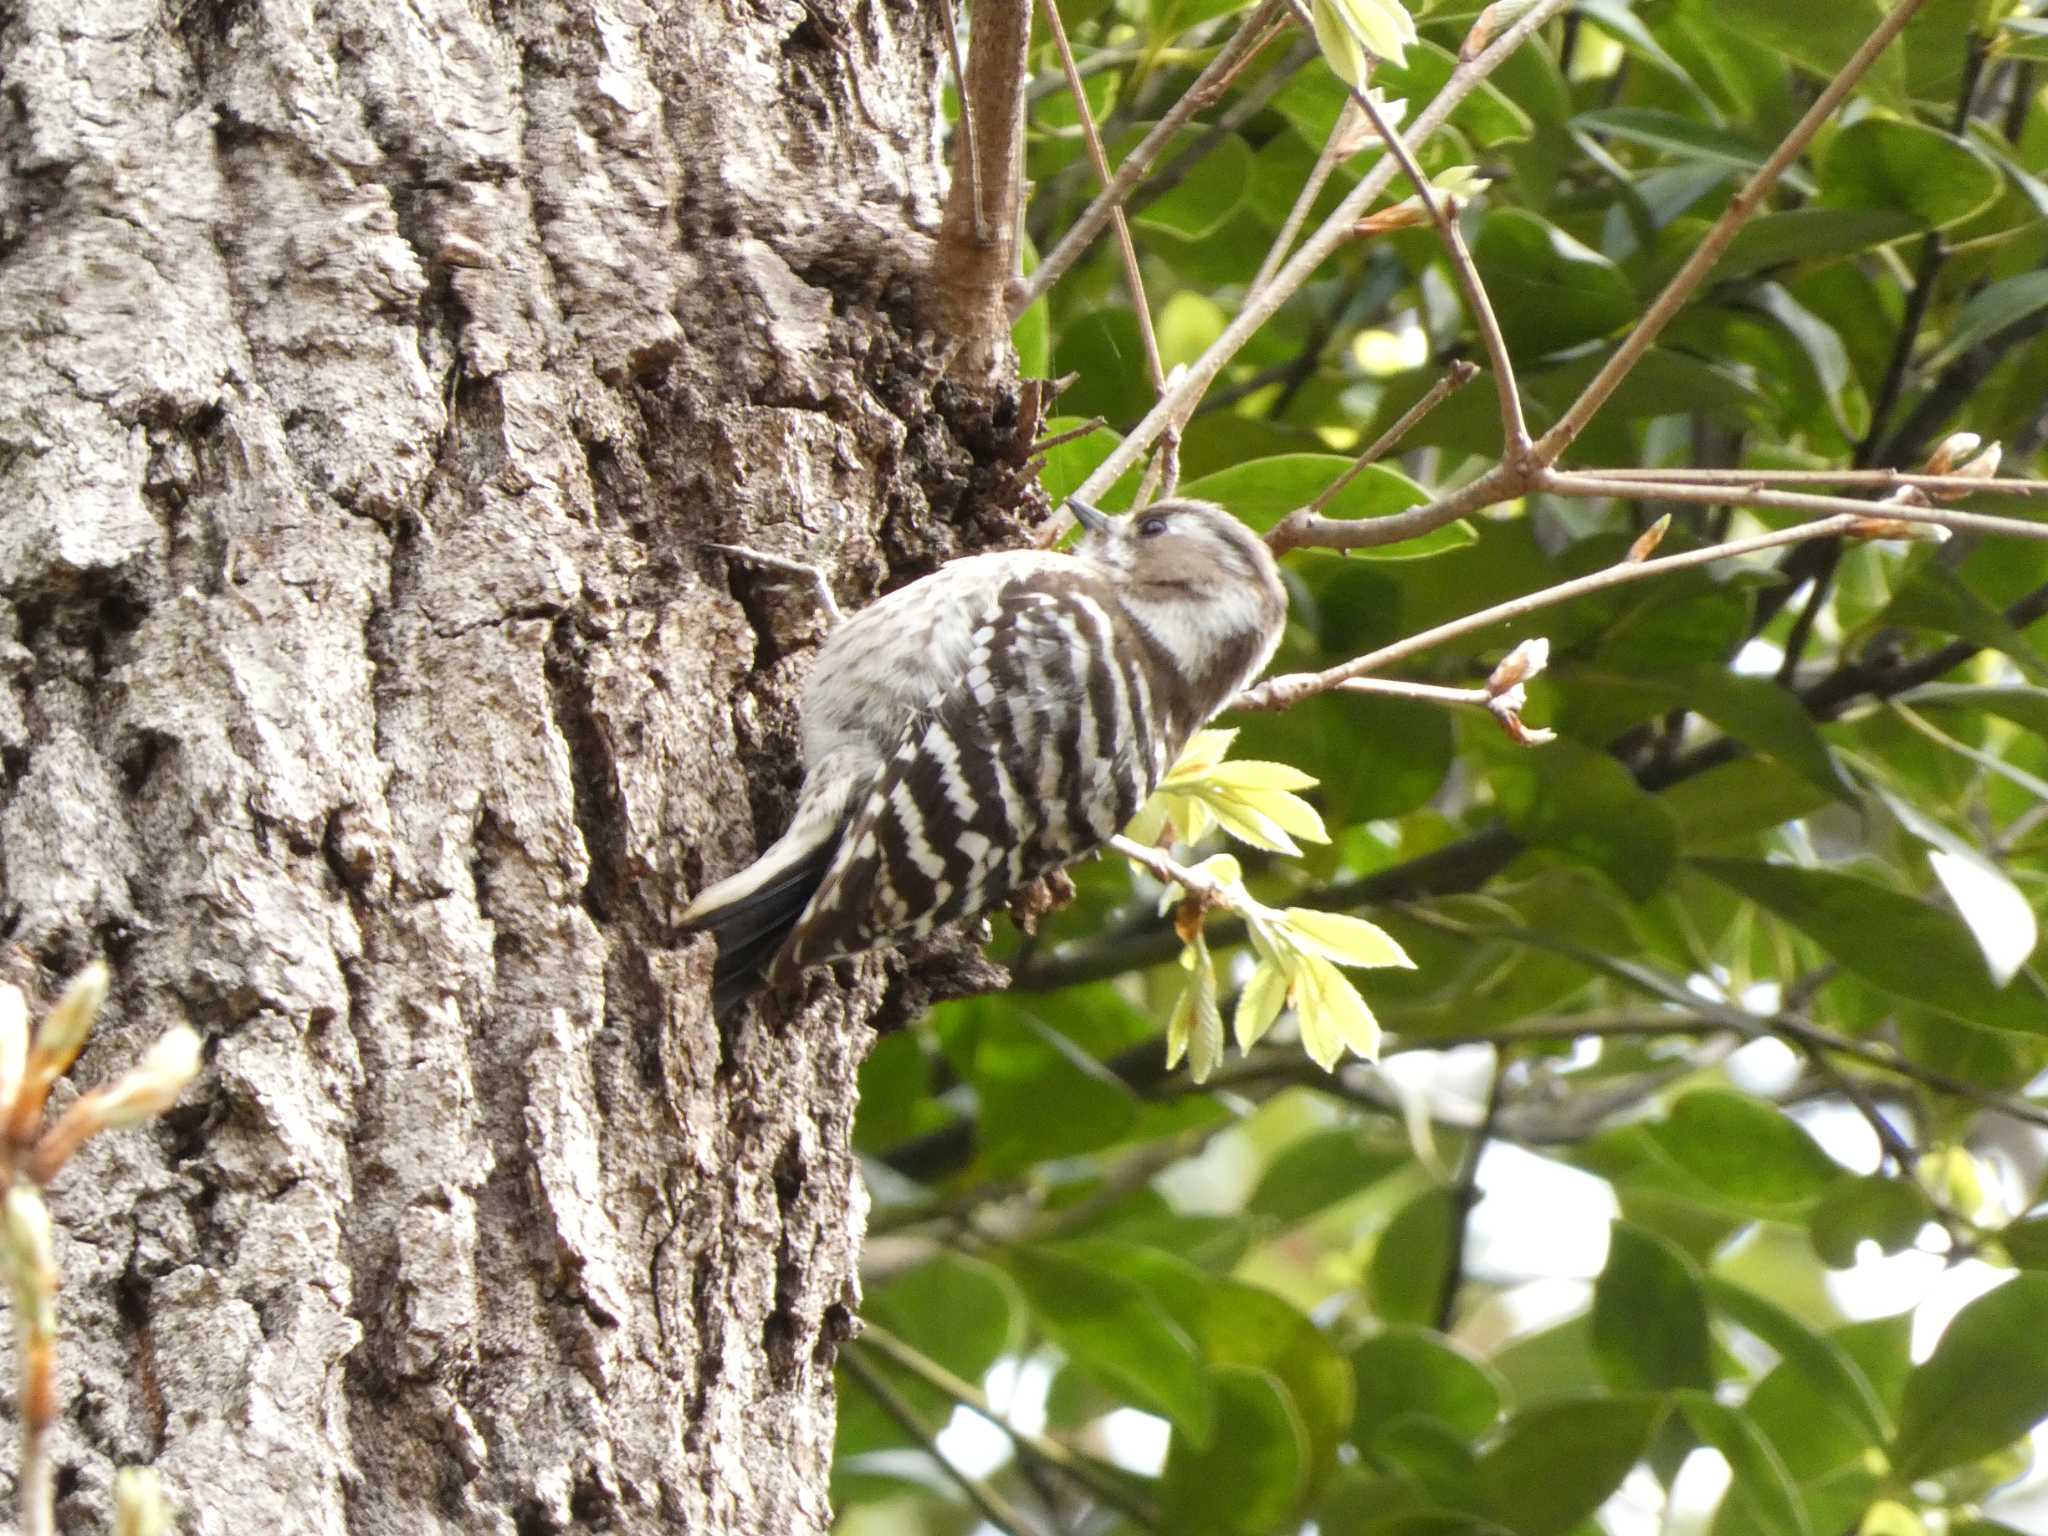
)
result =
(1151, 527)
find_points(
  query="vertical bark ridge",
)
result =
(372, 373)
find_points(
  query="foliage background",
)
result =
(1742, 961)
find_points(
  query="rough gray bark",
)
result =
(370, 373)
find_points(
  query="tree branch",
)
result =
(1282, 692)
(1207, 86)
(1707, 254)
(1260, 307)
(1306, 527)
(1099, 1481)
(975, 256)
(992, 1506)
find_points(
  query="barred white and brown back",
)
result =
(1041, 751)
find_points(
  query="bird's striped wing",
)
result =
(1037, 754)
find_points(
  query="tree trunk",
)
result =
(373, 374)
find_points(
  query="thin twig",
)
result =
(1880, 479)
(1444, 214)
(1334, 231)
(993, 1507)
(971, 166)
(1099, 1481)
(1133, 278)
(1755, 1026)
(1207, 86)
(1427, 693)
(1306, 526)
(1465, 1195)
(1565, 483)
(1304, 201)
(1087, 428)
(1514, 425)
(1712, 245)
(821, 588)
(1281, 692)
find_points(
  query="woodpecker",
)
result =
(989, 723)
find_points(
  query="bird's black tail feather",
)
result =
(751, 930)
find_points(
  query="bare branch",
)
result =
(1333, 232)
(1281, 692)
(1714, 243)
(991, 1505)
(1304, 200)
(1443, 214)
(1306, 527)
(1208, 85)
(1566, 484)
(975, 256)
(1133, 279)
(1880, 479)
(1100, 1481)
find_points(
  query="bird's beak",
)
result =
(1094, 519)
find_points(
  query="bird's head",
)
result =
(1198, 579)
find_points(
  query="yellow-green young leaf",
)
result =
(1150, 822)
(1191, 818)
(1341, 50)
(1250, 775)
(1384, 26)
(1254, 827)
(1291, 813)
(1205, 749)
(1259, 1004)
(1888, 1517)
(1332, 1014)
(1196, 1028)
(1346, 940)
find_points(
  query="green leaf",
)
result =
(1015, 1060)
(1550, 292)
(1990, 313)
(1258, 1454)
(1893, 942)
(1206, 198)
(1673, 133)
(1587, 806)
(1985, 1385)
(2025, 707)
(1888, 1212)
(1649, 1317)
(1111, 1326)
(1559, 1461)
(1819, 1359)
(958, 1311)
(1414, 1370)
(1818, 38)
(1320, 1170)
(1802, 235)
(1406, 1276)
(1935, 597)
(1247, 1327)
(2026, 1242)
(1735, 801)
(1262, 491)
(1879, 163)
(1488, 116)
(1761, 1480)
(1746, 1151)
(1753, 709)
